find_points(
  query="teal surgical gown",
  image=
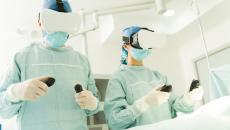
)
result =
(128, 85)
(57, 110)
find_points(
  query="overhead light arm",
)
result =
(160, 6)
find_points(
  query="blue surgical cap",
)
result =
(57, 5)
(128, 32)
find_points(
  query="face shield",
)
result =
(53, 21)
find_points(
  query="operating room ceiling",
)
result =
(23, 13)
(185, 12)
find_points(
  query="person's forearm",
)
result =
(8, 109)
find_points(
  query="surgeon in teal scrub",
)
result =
(23, 92)
(133, 97)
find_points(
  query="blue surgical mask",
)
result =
(140, 54)
(56, 39)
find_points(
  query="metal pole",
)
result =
(84, 34)
(204, 43)
(202, 34)
(124, 8)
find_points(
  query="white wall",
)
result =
(185, 46)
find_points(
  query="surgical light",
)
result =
(169, 13)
